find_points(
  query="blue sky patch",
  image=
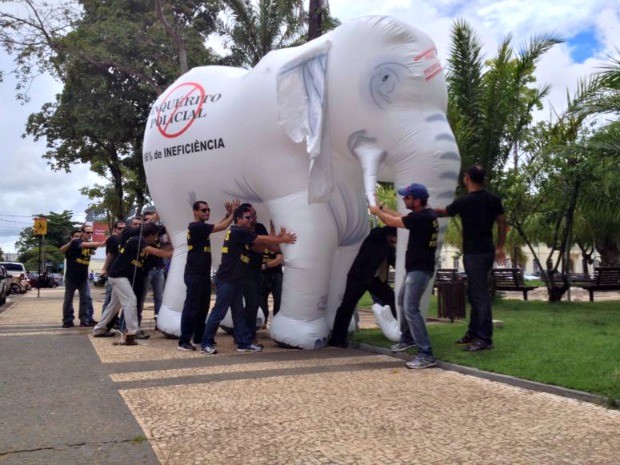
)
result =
(583, 45)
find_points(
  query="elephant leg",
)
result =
(301, 321)
(169, 317)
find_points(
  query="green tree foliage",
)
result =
(491, 102)
(252, 29)
(59, 227)
(114, 58)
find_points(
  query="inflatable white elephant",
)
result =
(304, 136)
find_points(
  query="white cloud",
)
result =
(28, 186)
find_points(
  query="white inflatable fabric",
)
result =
(386, 321)
(304, 136)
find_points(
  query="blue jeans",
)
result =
(195, 308)
(228, 294)
(477, 268)
(155, 277)
(67, 306)
(409, 298)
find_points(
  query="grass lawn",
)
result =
(574, 345)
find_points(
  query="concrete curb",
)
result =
(506, 379)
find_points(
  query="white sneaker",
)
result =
(401, 347)
(420, 362)
(251, 348)
(209, 350)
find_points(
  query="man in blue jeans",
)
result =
(229, 279)
(479, 210)
(419, 265)
(77, 252)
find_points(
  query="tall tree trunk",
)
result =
(176, 37)
(610, 253)
(315, 26)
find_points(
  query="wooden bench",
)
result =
(604, 279)
(510, 279)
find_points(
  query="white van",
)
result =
(14, 268)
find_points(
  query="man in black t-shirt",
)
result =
(154, 266)
(126, 269)
(479, 210)
(271, 280)
(77, 252)
(198, 272)
(252, 289)
(229, 291)
(111, 251)
(419, 265)
(362, 277)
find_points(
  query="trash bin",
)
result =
(451, 300)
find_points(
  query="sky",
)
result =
(591, 31)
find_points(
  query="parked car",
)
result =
(14, 268)
(19, 277)
(5, 284)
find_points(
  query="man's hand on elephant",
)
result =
(232, 205)
(286, 236)
(374, 210)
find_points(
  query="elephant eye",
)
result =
(385, 83)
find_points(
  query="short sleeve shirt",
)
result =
(269, 255)
(423, 232)
(235, 253)
(256, 258)
(130, 260)
(478, 211)
(199, 248)
(111, 245)
(78, 261)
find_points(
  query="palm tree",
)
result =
(491, 102)
(252, 30)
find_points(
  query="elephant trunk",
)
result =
(370, 157)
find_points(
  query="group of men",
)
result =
(134, 258)
(250, 256)
(252, 262)
(479, 210)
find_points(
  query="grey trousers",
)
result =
(122, 297)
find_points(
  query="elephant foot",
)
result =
(386, 321)
(299, 334)
(169, 321)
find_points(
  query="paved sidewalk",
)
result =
(68, 398)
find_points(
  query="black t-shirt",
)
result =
(423, 231)
(130, 260)
(153, 261)
(269, 255)
(372, 253)
(256, 258)
(111, 245)
(478, 211)
(127, 233)
(78, 260)
(235, 257)
(199, 248)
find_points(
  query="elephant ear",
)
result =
(302, 104)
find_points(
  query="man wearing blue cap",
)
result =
(419, 265)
